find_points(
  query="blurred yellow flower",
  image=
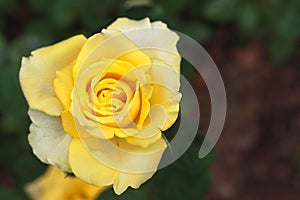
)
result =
(98, 105)
(55, 184)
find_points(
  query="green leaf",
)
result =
(6, 6)
(3, 51)
(157, 13)
(23, 46)
(187, 70)
(27, 167)
(186, 178)
(6, 193)
(8, 123)
(198, 31)
(220, 10)
(8, 150)
(288, 25)
(41, 28)
(248, 18)
(130, 194)
(62, 13)
(93, 15)
(137, 3)
(39, 5)
(12, 101)
(172, 7)
(281, 49)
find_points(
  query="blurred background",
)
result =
(255, 44)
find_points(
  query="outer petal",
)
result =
(109, 44)
(145, 141)
(48, 140)
(155, 39)
(55, 184)
(68, 122)
(165, 93)
(130, 179)
(160, 116)
(38, 72)
(63, 84)
(170, 104)
(87, 167)
(146, 92)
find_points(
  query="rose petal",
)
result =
(145, 141)
(84, 110)
(55, 184)
(112, 45)
(169, 102)
(165, 93)
(68, 122)
(87, 167)
(155, 39)
(63, 84)
(38, 72)
(48, 139)
(146, 92)
(151, 131)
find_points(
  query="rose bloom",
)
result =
(98, 105)
(55, 184)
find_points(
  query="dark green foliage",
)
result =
(277, 20)
(6, 193)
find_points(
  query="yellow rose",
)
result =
(55, 184)
(98, 105)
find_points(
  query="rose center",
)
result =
(112, 95)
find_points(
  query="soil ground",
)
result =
(258, 153)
